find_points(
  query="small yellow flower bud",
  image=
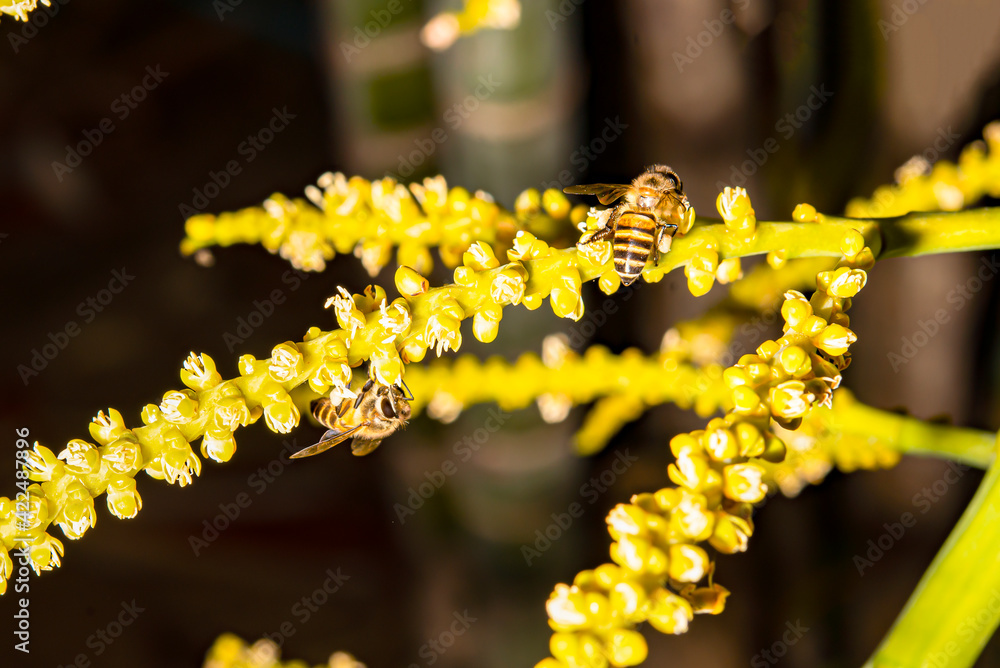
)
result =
(565, 295)
(805, 213)
(442, 333)
(123, 500)
(729, 270)
(285, 363)
(627, 598)
(179, 406)
(508, 285)
(835, 340)
(523, 246)
(720, 444)
(528, 202)
(486, 323)
(776, 259)
(566, 608)
(218, 449)
(107, 427)
(684, 445)
(532, 302)
(281, 416)
(731, 533)
(735, 377)
(744, 482)
(626, 648)
(177, 464)
(733, 204)
(81, 458)
(852, 243)
(745, 400)
(597, 253)
(410, 283)
(750, 441)
(793, 358)
(464, 276)
(626, 520)
(609, 282)
(78, 513)
(689, 471)
(788, 399)
(846, 283)
(669, 612)
(767, 350)
(795, 310)
(199, 372)
(691, 519)
(414, 349)
(480, 257)
(631, 553)
(688, 563)
(555, 203)
(699, 282)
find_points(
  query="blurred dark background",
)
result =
(681, 82)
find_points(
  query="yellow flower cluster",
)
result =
(20, 9)
(943, 186)
(229, 651)
(444, 29)
(371, 329)
(658, 560)
(369, 218)
(561, 378)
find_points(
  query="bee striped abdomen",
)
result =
(633, 244)
(325, 412)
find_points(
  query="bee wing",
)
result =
(606, 192)
(330, 439)
(361, 448)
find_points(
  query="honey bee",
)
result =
(649, 214)
(377, 412)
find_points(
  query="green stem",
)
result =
(956, 606)
(911, 436)
(927, 233)
(917, 233)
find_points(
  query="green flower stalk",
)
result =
(369, 218)
(230, 651)
(447, 27)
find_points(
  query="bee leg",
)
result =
(664, 239)
(409, 394)
(364, 389)
(605, 233)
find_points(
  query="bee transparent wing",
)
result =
(330, 439)
(361, 448)
(606, 192)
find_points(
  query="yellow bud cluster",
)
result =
(230, 651)
(943, 186)
(720, 473)
(370, 218)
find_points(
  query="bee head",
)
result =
(391, 404)
(662, 178)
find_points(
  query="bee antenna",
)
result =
(409, 394)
